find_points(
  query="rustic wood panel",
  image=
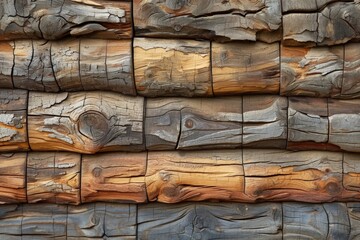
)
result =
(264, 121)
(53, 177)
(101, 220)
(172, 67)
(181, 123)
(13, 123)
(218, 20)
(315, 221)
(210, 221)
(351, 80)
(85, 122)
(6, 64)
(309, 176)
(313, 72)
(244, 67)
(351, 178)
(335, 23)
(308, 124)
(344, 124)
(12, 178)
(53, 20)
(181, 176)
(114, 177)
(354, 215)
(10, 221)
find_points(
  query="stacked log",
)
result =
(129, 119)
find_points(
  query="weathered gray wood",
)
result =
(193, 123)
(115, 177)
(306, 5)
(243, 67)
(56, 19)
(351, 80)
(344, 124)
(53, 177)
(219, 20)
(313, 72)
(264, 121)
(354, 215)
(13, 122)
(351, 178)
(172, 67)
(315, 221)
(181, 176)
(308, 125)
(6, 64)
(308, 176)
(209, 221)
(85, 122)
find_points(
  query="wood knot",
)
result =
(333, 188)
(189, 123)
(177, 27)
(93, 125)
(175, 4)
(96, 172)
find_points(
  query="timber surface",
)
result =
(185, 221)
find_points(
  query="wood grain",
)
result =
(13, 122)
(243, 67)
(264, 121)
(54, 20)
(85, 122)
(313, 72)
(209, 221)
(216, 20)
(53, 177)
(172, 67)
(354, 216)
(351, 178)
(308, 176)
(351, 80)
(195, 176)
(181, 123)
(6, 64)
(114, 177)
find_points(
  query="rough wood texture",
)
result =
(12, 178)
(264, 121)
(85, 122)
(309, 176)
(172, 67)
(344, 124)
(354, 215)
(210, 221)
(114, 177)
(243, 67)
(316, 221)
(219, 20)
(335, 23)
(313, 72)
(53, 177)
(56, 19)
(6, 64)
(305, 5)
(13, 125)
(180, 123)
(351, 178)
(195, 176)
(351, 80)
(308, 124)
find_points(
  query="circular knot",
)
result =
(93, 125)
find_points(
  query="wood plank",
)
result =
(114, 177)
(6, 64)
(216, 20)
(354, 215)
(308, 126)
(53, 177)
(54, 20)
(308, 176)
(172, 67)
(264, 121)
(351, 178)
(181, 123)
(344, 124)
(313, 72)
(300, 29)
(243, 67)
(13, 122)
(10, 217)
(351, 80)
(85, 122)
(12, 178)
(306, 5)
(315, 221)
(181, 176)
(209, 221)
(94, 220)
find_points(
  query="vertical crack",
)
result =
(106, 66)
(211, 70)
(52, 67)
(180, 131)
(80, 178)
(328, 221)
(13, 65)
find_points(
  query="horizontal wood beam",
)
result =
(154, 67)
(177, 176)
(185, 221)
